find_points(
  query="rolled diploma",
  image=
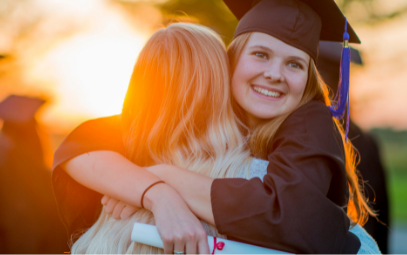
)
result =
(148, 234)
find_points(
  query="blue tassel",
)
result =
(341, 99)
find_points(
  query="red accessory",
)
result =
(217, 246)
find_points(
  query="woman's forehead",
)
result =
(265, 41)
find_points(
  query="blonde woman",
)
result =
(177, 111)
(278, 95)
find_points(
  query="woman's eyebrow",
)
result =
(298, 58)
(261, 47)
(270, 50)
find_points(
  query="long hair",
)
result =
(260, 139)
(177, 111)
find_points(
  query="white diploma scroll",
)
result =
(148, 234)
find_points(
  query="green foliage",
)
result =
(398, 196)
(394, 149)
(211, 13)
(393, 145)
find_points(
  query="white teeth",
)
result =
(266, 92)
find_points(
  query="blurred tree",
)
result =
(371, 11)
(211, 13)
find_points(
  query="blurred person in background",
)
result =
(28, 217)
(370, 166)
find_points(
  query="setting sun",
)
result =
(87, 69)
(93, 71)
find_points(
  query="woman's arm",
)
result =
(112, 174)
(194, 188)
(89, 152)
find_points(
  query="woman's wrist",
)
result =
(156, 195)
(146, 190)
(193, 188)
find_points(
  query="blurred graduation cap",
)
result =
(300, 23)
(331, 51)
(329, 60)
(19, 109)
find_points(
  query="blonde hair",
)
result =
(260, 139)
(177, 111)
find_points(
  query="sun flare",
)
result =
(93, 71)
(89, 70)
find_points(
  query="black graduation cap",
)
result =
(19, 109)
(300, 23)
(329, 60)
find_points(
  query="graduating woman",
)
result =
(278, 95)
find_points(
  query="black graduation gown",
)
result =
(372, 171)
(29, 221)
(298, 208)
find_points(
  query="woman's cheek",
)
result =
(248, 66)
(237, 91)
(297, 86)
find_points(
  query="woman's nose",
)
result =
(273, 73)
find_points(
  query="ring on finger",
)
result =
(178, 252)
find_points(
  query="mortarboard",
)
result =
(299, 23)
(19, 109)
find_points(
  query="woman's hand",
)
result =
(179, 229)
(119, 209)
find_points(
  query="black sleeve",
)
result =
(374, 181)
(78, 206)
(377, 191)
(299, 205)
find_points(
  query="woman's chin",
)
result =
(263, 115)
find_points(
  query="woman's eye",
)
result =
(295, 65)
(260, 55)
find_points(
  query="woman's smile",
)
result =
(267, 93)
(269, 78)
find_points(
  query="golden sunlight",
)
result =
(89, 70)
(92, 71)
